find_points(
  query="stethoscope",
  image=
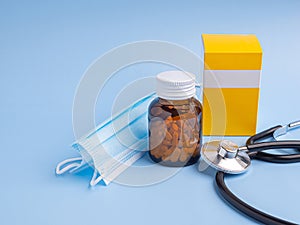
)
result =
(228, 158)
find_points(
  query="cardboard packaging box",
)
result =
(231, 80)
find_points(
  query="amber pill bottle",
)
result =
(175, 120)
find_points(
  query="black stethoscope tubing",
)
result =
(254, 151)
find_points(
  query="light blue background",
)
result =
(45, 47)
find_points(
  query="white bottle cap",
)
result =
(175, 85)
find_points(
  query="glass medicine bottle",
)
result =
(175, 120)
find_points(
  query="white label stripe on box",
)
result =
(231, 78)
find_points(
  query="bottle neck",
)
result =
(175, 102)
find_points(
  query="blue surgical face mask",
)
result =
(112, 146)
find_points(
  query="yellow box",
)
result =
(231, 80)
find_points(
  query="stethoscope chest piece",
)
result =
(225, 156)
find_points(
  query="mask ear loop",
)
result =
(96, 178)
(68, 165)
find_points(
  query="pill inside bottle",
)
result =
(175, 120)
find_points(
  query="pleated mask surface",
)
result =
(113, 145)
